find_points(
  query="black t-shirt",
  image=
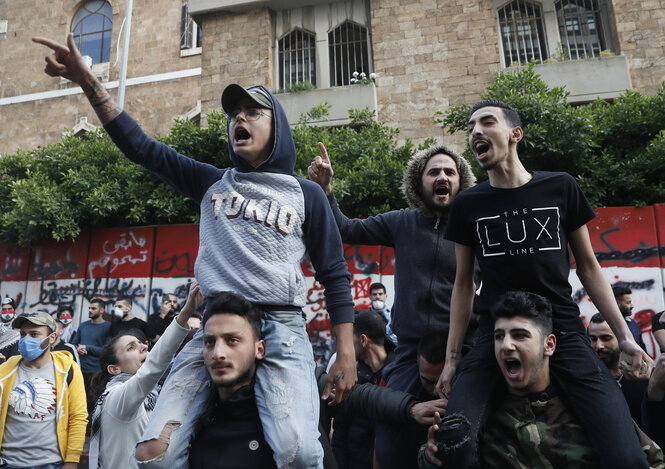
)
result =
(121, 326)
(157, 325)
(520, 238)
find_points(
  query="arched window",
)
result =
(522, 32)
(297, 58)
(348, 52)
(579, 28)
(92, 26)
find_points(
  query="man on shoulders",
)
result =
(43, 401)
(122, 308)
(519, 226)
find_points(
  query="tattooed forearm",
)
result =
(454, 355)
(101, 101)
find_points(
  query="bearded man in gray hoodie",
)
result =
(424, 268)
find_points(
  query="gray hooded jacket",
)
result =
(424, 259)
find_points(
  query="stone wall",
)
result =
(429, 55)
(641, 30)
(237, 48)
(43, 121)
(155, 49)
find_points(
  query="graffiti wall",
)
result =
(626, 241)
(145, 263)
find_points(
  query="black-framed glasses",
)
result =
(251, 114)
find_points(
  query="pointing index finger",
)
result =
(324, 153)
(56, 46)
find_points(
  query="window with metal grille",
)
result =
(92, 27)
(348, 48)
(580, 28)
(190, 33)
(522, 32)
(297, 58)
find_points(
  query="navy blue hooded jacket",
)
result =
(256, 223)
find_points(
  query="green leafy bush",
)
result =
(78, 184)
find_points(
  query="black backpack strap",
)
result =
(70, 375)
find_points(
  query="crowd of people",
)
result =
(482, 360)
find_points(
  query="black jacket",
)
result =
(229, 435)
(355, 418)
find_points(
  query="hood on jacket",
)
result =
(412, 181)
(282, 158)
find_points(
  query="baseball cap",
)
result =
(233, 93)
(8, 301)
(38, 318)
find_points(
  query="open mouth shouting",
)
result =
(512, 368)
(442, 190)
(480, 147)
(241, 135)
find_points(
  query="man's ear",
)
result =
(260, 349)
(516, 134)
(550, 345)
(364, 340)
(113, 369)
(53, 336)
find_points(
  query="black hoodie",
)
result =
(424, 259)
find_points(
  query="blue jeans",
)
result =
(286, 396)
(585, 382)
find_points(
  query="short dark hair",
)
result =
(126, 298)
(509, 112)
(526, 305)
(232, 303)
(165, 296)
(99, 301)
(597, 319)
(376, 286)
(372, 324)
(619, 291)
(432, 347)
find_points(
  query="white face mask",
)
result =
(118, 312)
(378, 305)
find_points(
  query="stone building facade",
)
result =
(35, 109)
(427, 55)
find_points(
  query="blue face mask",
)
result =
(30, 348)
